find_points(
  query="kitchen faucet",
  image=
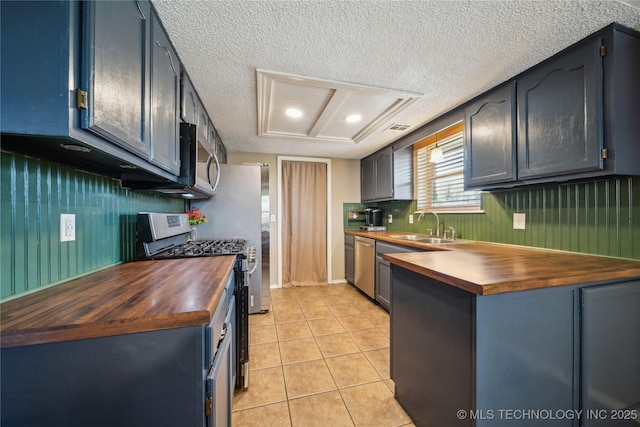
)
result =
(437, 222)
(421, 214)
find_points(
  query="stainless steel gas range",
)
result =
(167, 235)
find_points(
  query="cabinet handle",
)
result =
(140, 10)
(169, 55)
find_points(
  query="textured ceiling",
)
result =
(450, 51)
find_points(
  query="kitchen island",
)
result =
(487, 334)
(128, 345)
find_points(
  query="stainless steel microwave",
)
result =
(199, 165)
(199, 168)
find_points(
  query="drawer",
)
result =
(213, 331)
(388, 248)
(349, 239)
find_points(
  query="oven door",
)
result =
(219, 392)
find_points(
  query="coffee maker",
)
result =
(373, 219)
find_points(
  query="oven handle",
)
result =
(254, 268)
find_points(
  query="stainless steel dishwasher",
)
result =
(365, 265)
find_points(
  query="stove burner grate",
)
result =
(195, 248)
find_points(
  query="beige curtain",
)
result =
(304, 223)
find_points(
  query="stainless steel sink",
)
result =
(421, 238)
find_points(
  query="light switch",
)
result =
(67, 227)
(519, 220)
(410, 219)
(390, 218)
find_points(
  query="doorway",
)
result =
(304, 221)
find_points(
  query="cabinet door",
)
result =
(490, 138)
(383, 282)
(189, 101)
(349, 257)
(384, 174)
(115, 65)
(610, 350)
(560, 115)
(165, 102)
(221, 150)
(367, 179)
(203, 123)
(219, 384)
(216, 142)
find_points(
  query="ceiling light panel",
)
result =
(371, 105)
(309, 100)
(325, 104)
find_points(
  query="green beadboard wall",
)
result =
(35, 193)
(600, 217)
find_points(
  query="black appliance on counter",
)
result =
(373, 220)
(166, 235)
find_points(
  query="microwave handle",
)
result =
(214, 186)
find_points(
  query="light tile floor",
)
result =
(319, 357)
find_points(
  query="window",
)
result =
(440, 186)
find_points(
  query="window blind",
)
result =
(440, 186)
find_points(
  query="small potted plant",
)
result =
(195, 217)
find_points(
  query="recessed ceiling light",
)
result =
(353, 118)
(293, 112)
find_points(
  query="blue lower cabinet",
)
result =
(610, 348)
(156, 378)
(567, 353)
(144, 379)
(219, 385)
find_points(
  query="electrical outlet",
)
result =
(67, 227)
(390, 218)
(519, 220)
(410, 219)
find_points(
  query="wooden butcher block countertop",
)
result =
(126, 298)
(491, 268)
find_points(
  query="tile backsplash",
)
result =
(599, 217)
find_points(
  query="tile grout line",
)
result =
(334, 315)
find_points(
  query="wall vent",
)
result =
(398, 128)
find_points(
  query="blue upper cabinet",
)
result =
(384, 174)
(189, 101)
(367, 179)
(115, 72)
(490, 137)
(387, 175)
(560, 115)
(165, 100)
(36, 67)
(85, 88)
(573, 117)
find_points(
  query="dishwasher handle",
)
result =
(365, 242)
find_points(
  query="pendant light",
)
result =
(436, 154)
